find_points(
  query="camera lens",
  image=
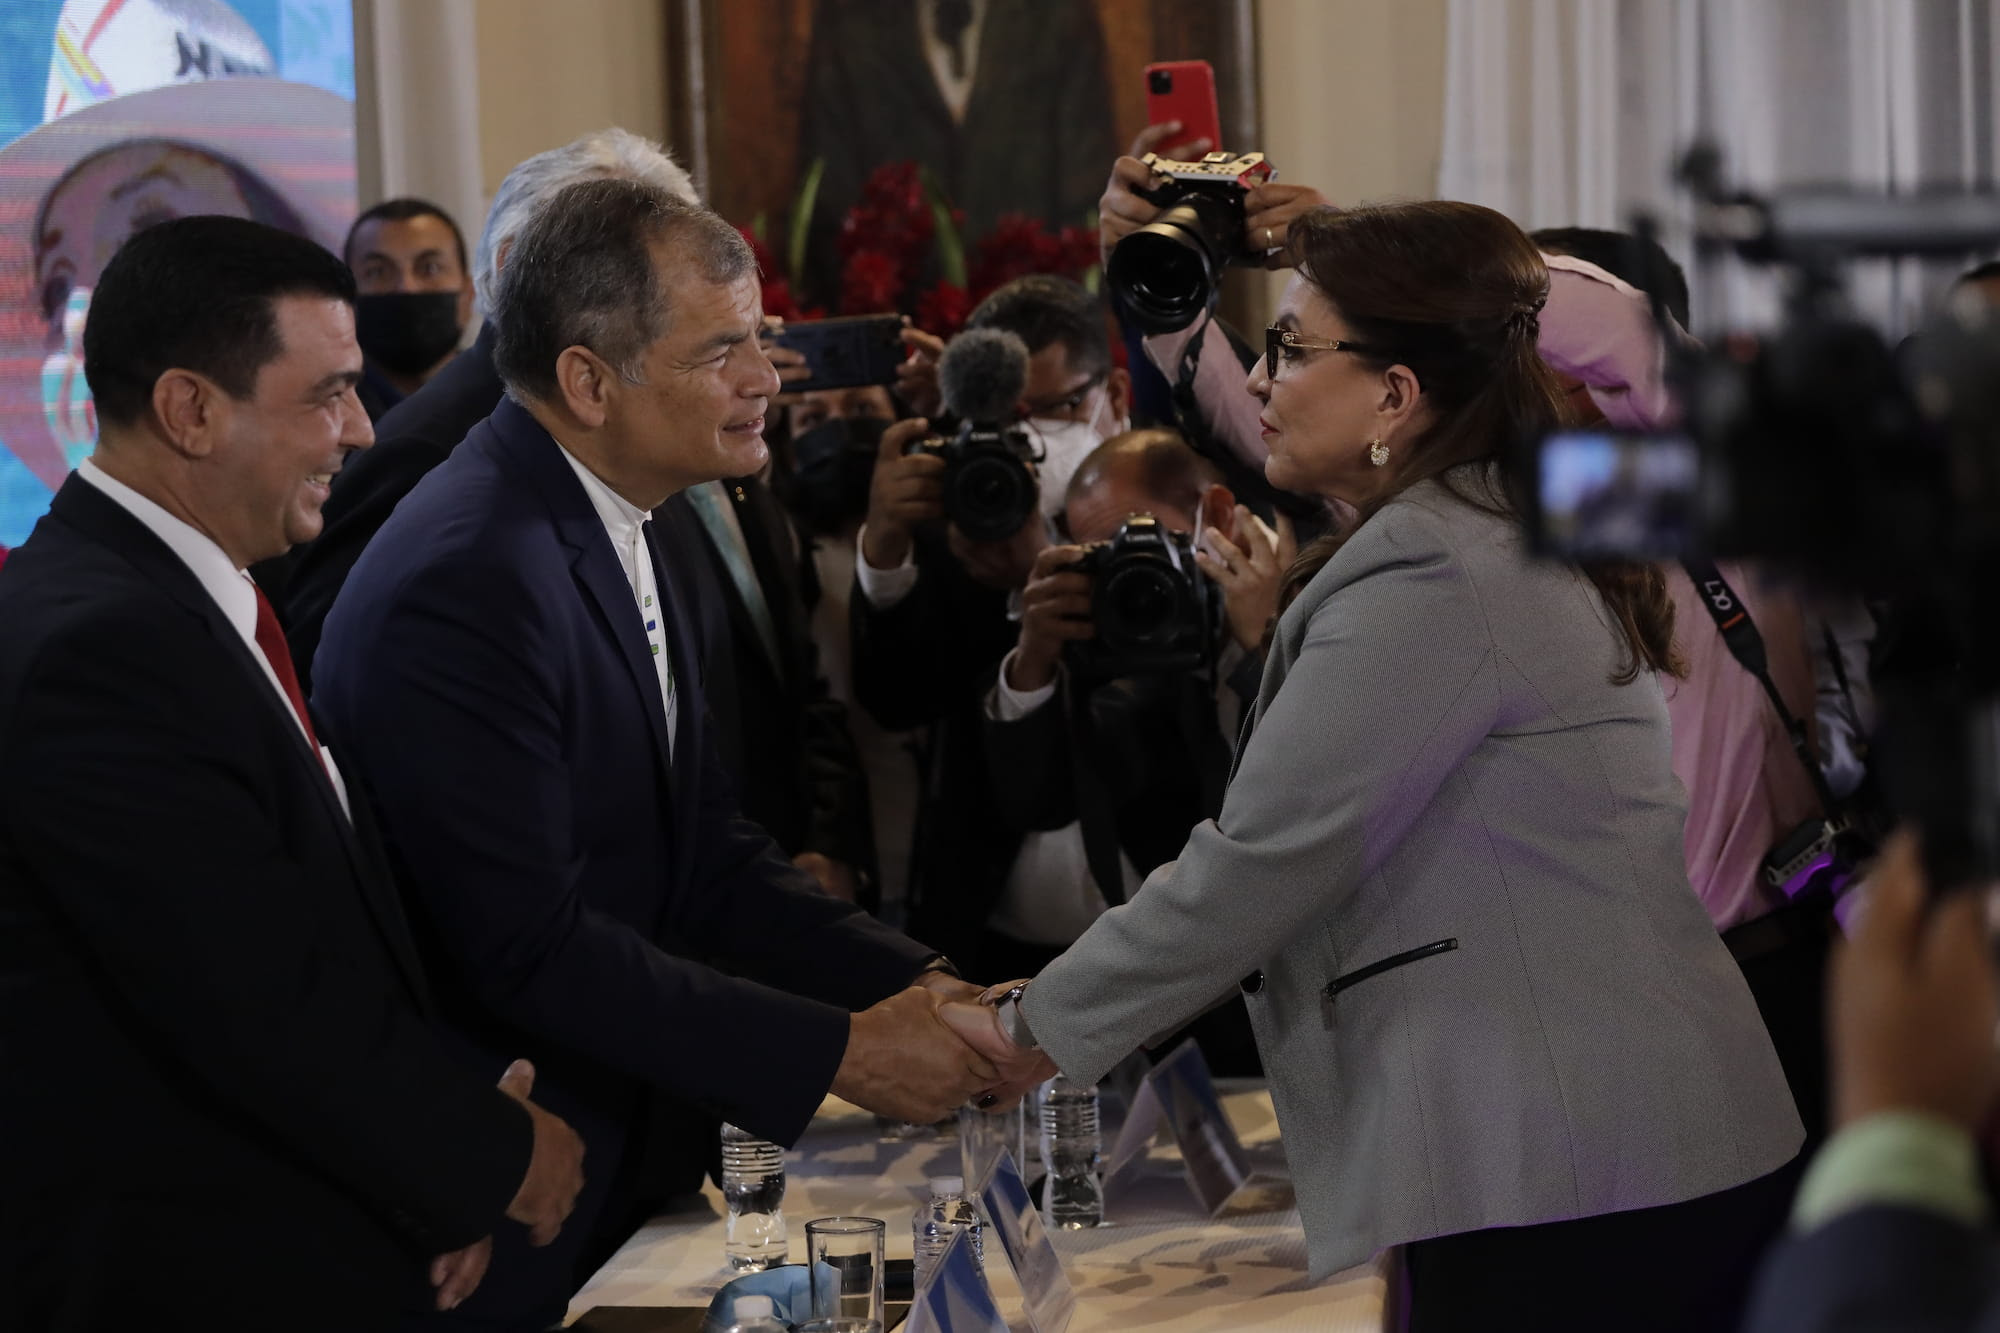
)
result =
(1137, 605)
(1161, 81)
(1165, 271)
(990, 496)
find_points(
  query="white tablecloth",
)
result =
(1158, 1265)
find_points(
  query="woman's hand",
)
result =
(1250, 569)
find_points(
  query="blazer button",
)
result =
(1253, 983)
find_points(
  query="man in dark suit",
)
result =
(1892, 1227)
(225, 1105)
(783, 740)
(511, 663)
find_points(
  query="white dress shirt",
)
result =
(624, 522)
(956, 89)
(220, 577)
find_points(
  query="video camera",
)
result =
(1168, 271)
(1819, 450)
(1155, 612)
(990, 487)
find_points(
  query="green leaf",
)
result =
(802, 212)
(757, 227)
(950, 245)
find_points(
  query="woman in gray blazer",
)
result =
(1499, 1028)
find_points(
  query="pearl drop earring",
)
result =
(1378, 454)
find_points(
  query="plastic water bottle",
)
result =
(753, 1189)
(948, 1213)
(757, 1314)
(1073, 1197)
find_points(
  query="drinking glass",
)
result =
(844, 1258)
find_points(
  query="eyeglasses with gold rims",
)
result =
(1283, 343)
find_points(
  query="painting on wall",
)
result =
(995, 120)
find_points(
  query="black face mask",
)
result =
(832, 466)
(406, 333)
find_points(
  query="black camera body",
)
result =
(1167, 272)
(990, 488)
(1155, 611)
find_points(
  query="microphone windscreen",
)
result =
(982, 375)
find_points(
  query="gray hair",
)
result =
(582, 273)
(614, 153)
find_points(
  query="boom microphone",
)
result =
(982, 374)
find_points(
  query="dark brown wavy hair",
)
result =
(1454, 291)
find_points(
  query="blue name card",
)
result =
(1179, 1095)
(1017, 1224)
(956, 1297)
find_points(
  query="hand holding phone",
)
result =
(1184, 91)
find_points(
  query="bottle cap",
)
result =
(754, 1307)
(947, 1184)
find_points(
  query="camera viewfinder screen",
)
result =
(117, 114)
(1603, 493)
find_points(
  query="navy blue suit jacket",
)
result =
(594, 903)
(1881, 1269)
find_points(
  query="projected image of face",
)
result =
(93, 209)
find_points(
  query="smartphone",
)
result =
(846, 352)
(1183, 90)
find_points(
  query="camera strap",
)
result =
(1740, 635)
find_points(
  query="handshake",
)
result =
(926, 1050)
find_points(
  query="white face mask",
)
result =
(1064, 446)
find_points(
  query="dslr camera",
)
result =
(1169, 271)
(1155, 612)
(989, 484)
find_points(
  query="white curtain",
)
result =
(417, 105)
(1572, 112)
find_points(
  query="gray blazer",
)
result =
(1449, 873)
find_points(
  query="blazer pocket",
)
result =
(1389, 964)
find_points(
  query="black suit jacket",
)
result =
(924, 664)
(410, 439)
(781, 732)
(223, 1099)
(596, 901)
(1881, 1269)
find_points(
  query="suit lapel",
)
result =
(102, 518)
(595, 567)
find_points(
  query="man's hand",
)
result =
(904, 1063)
(456, 1275)
(948, 987)
(917, 377)
(1268, 212)
(1913, 1001)
(907, 489)
(1055, 610)
(1003, 565)
(1121, 211)
(555, 1169)
(789, 362)
(978, 1025)
(1249, 569)
(836, 879)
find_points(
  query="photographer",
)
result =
(1892, 1225)
(1125, 764)
(931, 605)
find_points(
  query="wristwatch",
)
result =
(1012, 1021)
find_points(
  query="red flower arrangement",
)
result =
(888, 237)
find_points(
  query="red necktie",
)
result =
(271, 638)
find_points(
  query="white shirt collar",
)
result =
(620, 516)
(219, 576)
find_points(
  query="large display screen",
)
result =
(116, 114)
